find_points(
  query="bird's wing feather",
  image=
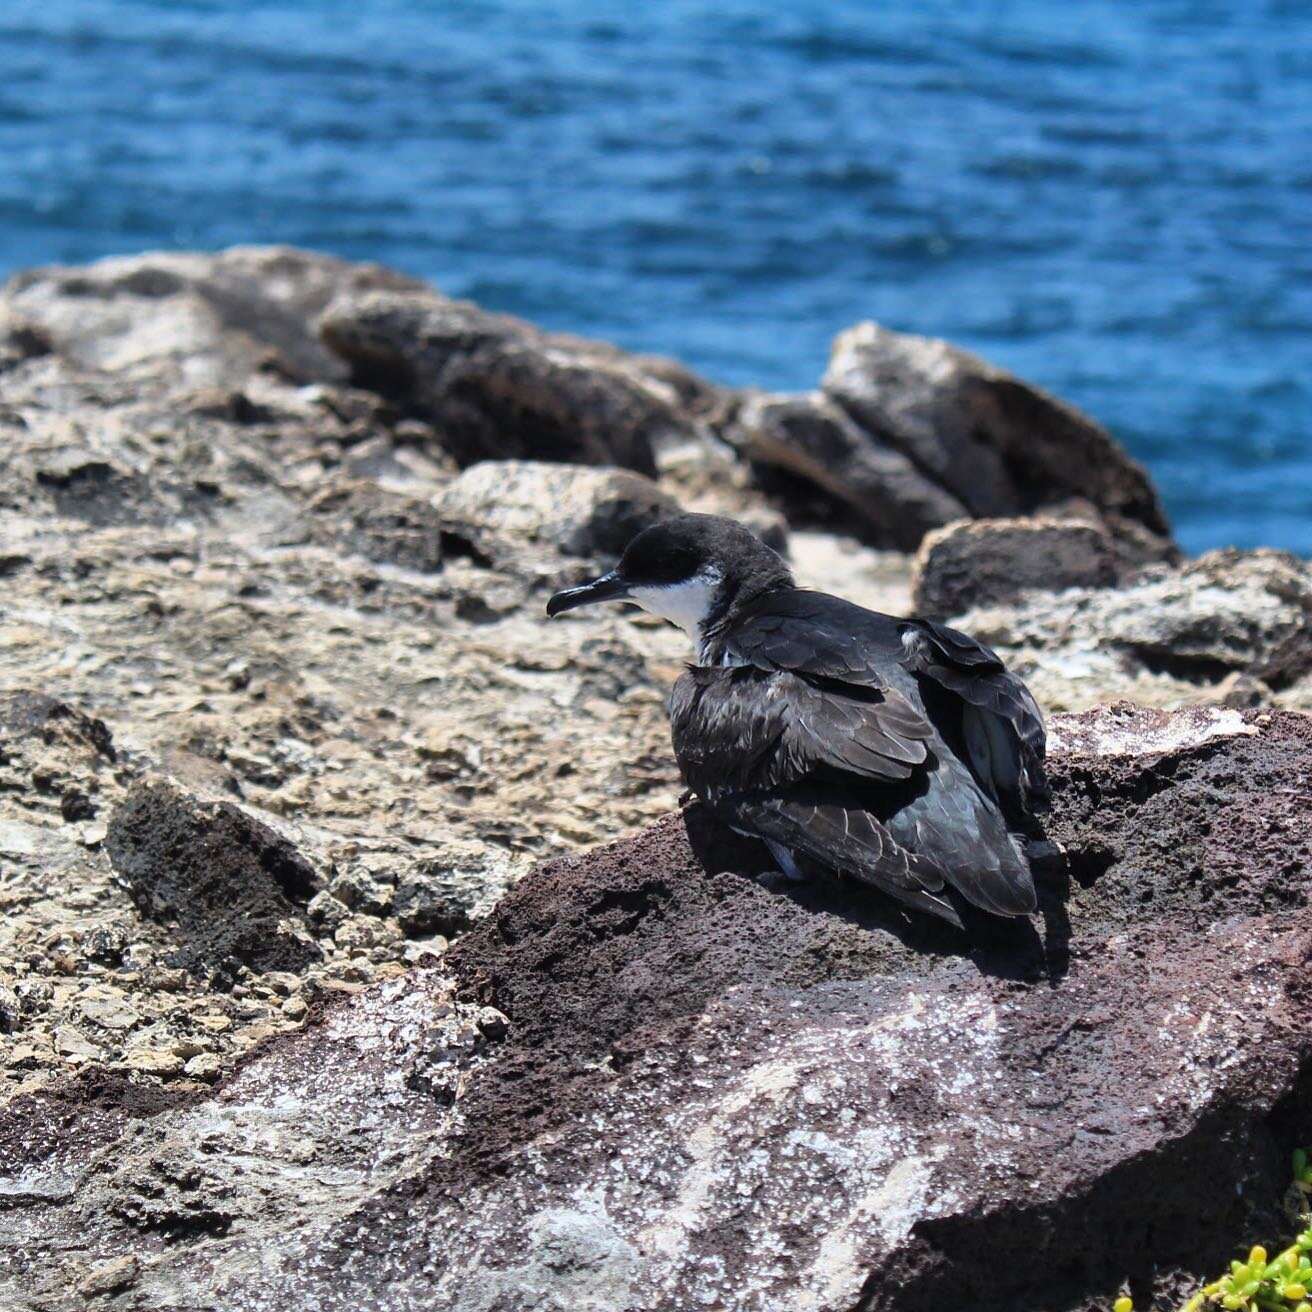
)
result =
(841, 837)
(1002, 723)
(799, 633)
(748, 728)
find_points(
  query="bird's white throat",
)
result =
(687, 604)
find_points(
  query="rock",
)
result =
(11, 1011)
(1227, 611)
(703, 1091)
(211, 320)
(497, 508)
(445, 894)
(812, 437)
(20, 340)
(1242, 691)
(998, 445)
(983, 562)
(326, 910)
(360, 891)
(111, 1277)
(74, 1044)
(29, 714)
(203, 1066)
(229, 883)
(364, 519)
(154, 1061)
(107, 1007)
(496, 387)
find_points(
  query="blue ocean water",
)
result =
(1113, 199)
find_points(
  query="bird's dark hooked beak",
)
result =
(609, 587)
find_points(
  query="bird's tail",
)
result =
(963, 833)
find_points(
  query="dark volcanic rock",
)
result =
(496, 387)
(700, 1088)
(230, 883)
(999, 445)
(811, 436)
(981, 562)
(29, 714)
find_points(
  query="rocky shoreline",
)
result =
(280, 722)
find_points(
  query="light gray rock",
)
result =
(982, 562)
(500, 507)
(1226, 611)
(206, 320)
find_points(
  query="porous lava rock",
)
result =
(229, 883)
(660, 1077)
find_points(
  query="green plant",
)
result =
(1264, 1284)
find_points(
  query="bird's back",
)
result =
(834, 737)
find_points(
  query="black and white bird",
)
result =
(895, 751)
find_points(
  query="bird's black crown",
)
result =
(680, 548)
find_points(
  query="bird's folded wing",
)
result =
(752, 729)
(800, 635)
(844, 838)
(1006, 741)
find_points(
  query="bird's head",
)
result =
(693, 570)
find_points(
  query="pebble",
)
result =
(110, 1277)
(93, 835)
(204, 1066)
(294, 1008)
(73, 1043)
(326, 910)
(153, 1061)
(108, 1007)
(282, 981)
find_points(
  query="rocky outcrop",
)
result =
(296, 722)
(1227, 613)
(655, 1077)
(986, 561)
(496, 387)
(906, 436)
(999, 445)
(198, 320)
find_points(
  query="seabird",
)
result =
(899, 752)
